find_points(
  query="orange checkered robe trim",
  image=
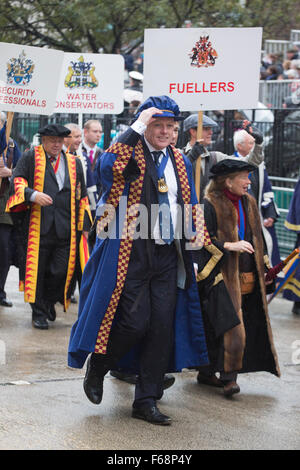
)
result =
(124, 153)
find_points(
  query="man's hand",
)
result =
(241, 246)
(146, 116)
(247, 126)
(268, 282)
(255, 133)
(5, 172)
(43, 199)
(269, 222)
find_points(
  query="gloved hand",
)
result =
(255, 133)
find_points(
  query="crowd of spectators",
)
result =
(281, 66)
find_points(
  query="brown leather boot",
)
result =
(230, 389)
(211, 380)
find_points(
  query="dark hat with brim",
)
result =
(164, 103)
(191, 122)
(230, 165)
(55, 130)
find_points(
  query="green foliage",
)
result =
(110, 25)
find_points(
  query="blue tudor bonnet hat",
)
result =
(164, 103)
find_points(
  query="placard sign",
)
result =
(91, 83)
(28, 82)
(204, 69)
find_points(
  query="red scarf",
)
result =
(234, 198)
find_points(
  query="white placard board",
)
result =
(28, 78)
(91, 83)
(203, 69)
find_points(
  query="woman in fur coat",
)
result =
(234, 226)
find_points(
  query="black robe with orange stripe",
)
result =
(69, 213)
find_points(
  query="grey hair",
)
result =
(239, 137)
(72, 125)
(2, 117)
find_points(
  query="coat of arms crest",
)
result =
(203, 54)
(81, 75)
(19, 70)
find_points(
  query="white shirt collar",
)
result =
(241, 156)
(152, 149)
(88, 148)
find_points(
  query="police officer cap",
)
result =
(191, 122)
(54, 130)
(136, 75)
(230, 165)
(165, 104)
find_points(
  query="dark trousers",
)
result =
(145, 316)
(5, 234)
(52, 272)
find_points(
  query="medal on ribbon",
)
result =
(162, 185)
(161, 182)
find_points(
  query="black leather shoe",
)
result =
(40, 324)
(51, 312)
(6, 303)
(73, 300)
(169, 379)
(296, 308)
(152, 415)
(93, 383)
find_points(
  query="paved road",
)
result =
(43, 405)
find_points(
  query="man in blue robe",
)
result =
(261, 190)
(292, 289)
(139, 303)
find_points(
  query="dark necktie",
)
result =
(91, 155)
(165, 219)
(156, 156)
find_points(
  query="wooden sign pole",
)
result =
(198, 161)
(9, 120)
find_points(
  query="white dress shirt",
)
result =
(60, 175)
(170, 179)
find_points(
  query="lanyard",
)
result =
(241, 228)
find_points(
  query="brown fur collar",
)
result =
(227, 220)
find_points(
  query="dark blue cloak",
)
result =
(99, 281)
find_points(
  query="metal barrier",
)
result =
(295, 35)
(282, 150)
(272, 93)
(281, 136)
(275, 46)
(283, 195)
